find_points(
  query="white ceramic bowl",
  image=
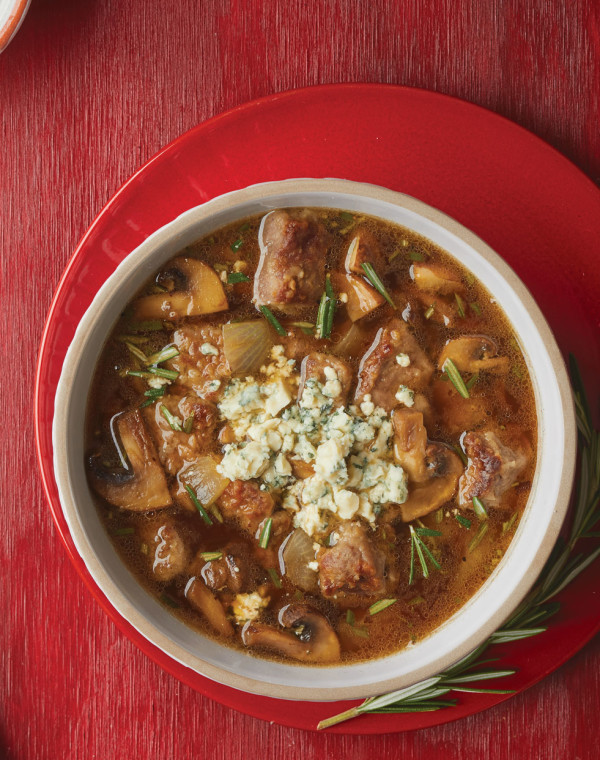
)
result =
(499, 595)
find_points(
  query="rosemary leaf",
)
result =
(451, 370)
(272, 319)
(376, 283)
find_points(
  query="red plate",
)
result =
(523, 198)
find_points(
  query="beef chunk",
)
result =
(318, 367)
(200, 368)
(380, 374)
(231, 572)
(291, 270)
(353, 568)
(243, 502)
(174, 447)
(491, 470)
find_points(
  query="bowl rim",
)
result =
(68, 500)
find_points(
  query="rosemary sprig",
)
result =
(562, 567)
(376, 282)
(417, 545)
(326, 311)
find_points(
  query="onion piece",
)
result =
(352, 343)
(295, 554)
(202, 476)
(246, 345)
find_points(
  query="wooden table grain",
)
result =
(88, 92)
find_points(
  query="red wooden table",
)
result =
(88, 92)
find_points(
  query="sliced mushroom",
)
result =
(474, 353)
(410, 443)
(171, 548)
(200, 597)
(201, 292)
(307, 636)
(143, 485)
(445, 469)
(436, 278)
(362, 298)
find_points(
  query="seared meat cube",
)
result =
(291, 270)
(352, 569)
(170, 549)
(384, 367)
(201, 363)
(243, 502)
(333, 373)
(491, 470)
(175, 447)
(231, 572)
(364, 248)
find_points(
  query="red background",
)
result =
(88, 92)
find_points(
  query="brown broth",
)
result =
(427, 602)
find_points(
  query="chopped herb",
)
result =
(417, 545)
(460, 305)
(236, 245)
(144, 404)
(429, 312)
(470, 278)
(475, 308)
(417, 256)
(174, 422)
(381, 605)
(362, 632)
(168, 352)
(137, 373)
(307, 328)
(346, 216)
(137, 340)
(506, 526)
(326, 311)
(350, 619)
(216, 513)
(197, 504)
(439, 515)
(123, 531)
(428, 532)
(244, 227)
(476, 540)
(471, 381)
(450, 369)
(274, 577)
(168, 600)
(188, 424)
(169, 374)
(148, 325)
(461, 454)
(138, 353)
(269, 316)
(211, 556)
(415, 601)
(265, 533)
(236, 277)
(464, 521)
(376, 283)
(155, 392)
(479, 508)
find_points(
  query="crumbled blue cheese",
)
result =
(213, 386)
(209, 350)
(403, 360)
(350, 448)
(158, 382)
(248, 606)
(405, 396)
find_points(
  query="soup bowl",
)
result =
(486, 609)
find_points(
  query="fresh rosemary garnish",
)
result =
(418, 546)
(137, 352)
(478, 537)
(460, 305)
(237, 244)
(475, 308)
(211, 556)
(174, 422)
(188, 424)
(373, 278)
(275, 577)
(429, 313)
(168, 352)
(265, 533)
(169, 374)
(272, 319)
(123, 531)
(235, 277)
(381, 605)
(563, 566)
(326, 311)
(464, 521)
(471, 381)
(449, 367)
(479, 509)
(199, 507)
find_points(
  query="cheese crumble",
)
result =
(349, 449)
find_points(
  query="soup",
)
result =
(311, 436)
